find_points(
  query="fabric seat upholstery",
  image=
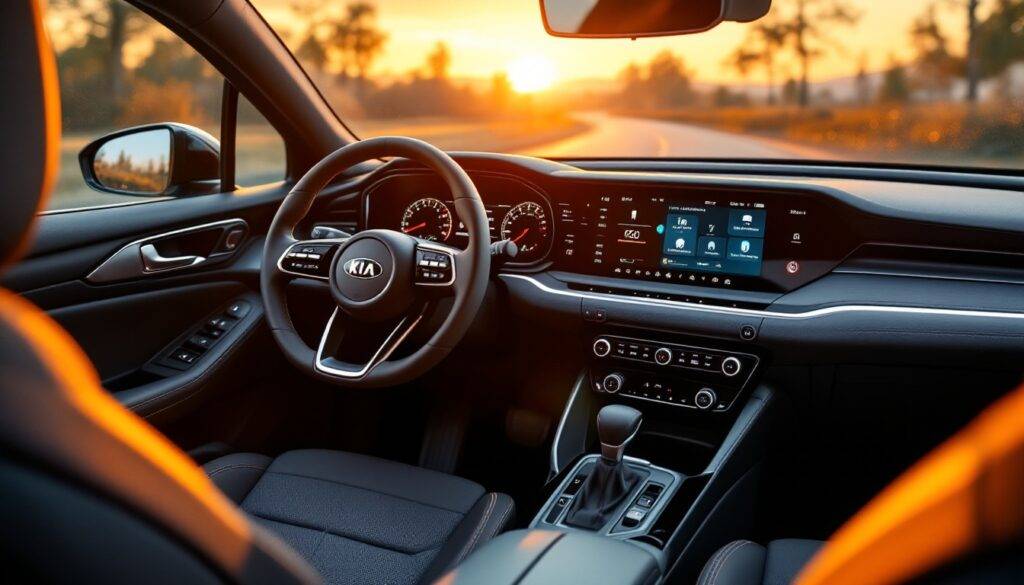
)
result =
(360, 519)
(743, 562)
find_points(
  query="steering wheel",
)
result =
(383, 282)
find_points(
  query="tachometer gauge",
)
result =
(526, 224)
(429, 219)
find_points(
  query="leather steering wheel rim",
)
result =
(471, 277)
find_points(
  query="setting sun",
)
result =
(531, 74)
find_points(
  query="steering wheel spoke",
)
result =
(310, 258)
(337, 355)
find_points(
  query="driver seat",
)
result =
(89, 492)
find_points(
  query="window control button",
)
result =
(201, 342)
(238, 309)
(219, 323)
(184, 355)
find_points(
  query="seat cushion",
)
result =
(747, 563)
(360, 519)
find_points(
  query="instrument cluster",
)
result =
(419, 204)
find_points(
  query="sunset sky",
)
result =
(489, 36)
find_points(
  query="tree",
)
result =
(439, 61)
(761, 46)
(863, 81)
(895, 86)
(935, 66)
(807, 31)
(1000, 38)
(108, 25)
(347, 42)
(668, 82)
(364, 41)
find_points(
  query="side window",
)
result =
(120, 69)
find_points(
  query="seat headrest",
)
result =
(29, 123)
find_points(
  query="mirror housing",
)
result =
(173, 160)
(632, 19)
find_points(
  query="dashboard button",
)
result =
(602, 347)
(748, 333)
(663, 356)
(613, 383)
(705, 398)
(731, 366)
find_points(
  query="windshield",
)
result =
(877, 81)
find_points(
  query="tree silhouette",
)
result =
(895, 86)
(761, 46)
(439, 61)
(807, 27)
(935, 66)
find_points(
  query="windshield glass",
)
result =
(906, 82)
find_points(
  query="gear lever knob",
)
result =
(616, 427)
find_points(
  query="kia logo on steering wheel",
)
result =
(362, 268)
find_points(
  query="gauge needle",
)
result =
(516, 239)
(411, 229)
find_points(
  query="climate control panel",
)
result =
(670, 373)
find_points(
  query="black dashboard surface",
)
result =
(820, 267)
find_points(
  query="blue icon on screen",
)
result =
(660, 229)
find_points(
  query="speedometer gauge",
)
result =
(429, 219)
(526, 224)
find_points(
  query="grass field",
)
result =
(945, 133)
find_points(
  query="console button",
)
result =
(663, 356)
(748, 333)
(634, 517)
(613, 383)
(705, 398)
(731, 366)
(602, 347)
(200, 342)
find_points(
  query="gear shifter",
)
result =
(610, 481)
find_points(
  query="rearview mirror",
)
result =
(644, 18)
(153, 160)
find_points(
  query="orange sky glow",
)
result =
(488, 37)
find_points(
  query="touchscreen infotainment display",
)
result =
(669, 239)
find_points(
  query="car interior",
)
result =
(399, 362)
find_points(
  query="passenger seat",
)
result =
(743, 562)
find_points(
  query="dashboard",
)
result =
(809, 269)
(743, 239)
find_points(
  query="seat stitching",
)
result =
(365, 489)
(716, 560)
(713, 570)
(406, 552)
(236, 466)
(476, 532)
(501, 522)
(725, 559)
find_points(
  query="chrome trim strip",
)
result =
(825, 312)
(304, 242)
(565, 416)
(382, 353)
(106, 205)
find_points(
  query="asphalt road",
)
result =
(612, 136)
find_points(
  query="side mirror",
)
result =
(173, 160)
(644, 18)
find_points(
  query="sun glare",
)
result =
(531, 74)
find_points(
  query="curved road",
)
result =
(612, 136)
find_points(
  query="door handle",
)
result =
(154, 262)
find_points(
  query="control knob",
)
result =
(602, 347)
(663, 356)
(613, 383)
(705, 398)
(731, 366)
